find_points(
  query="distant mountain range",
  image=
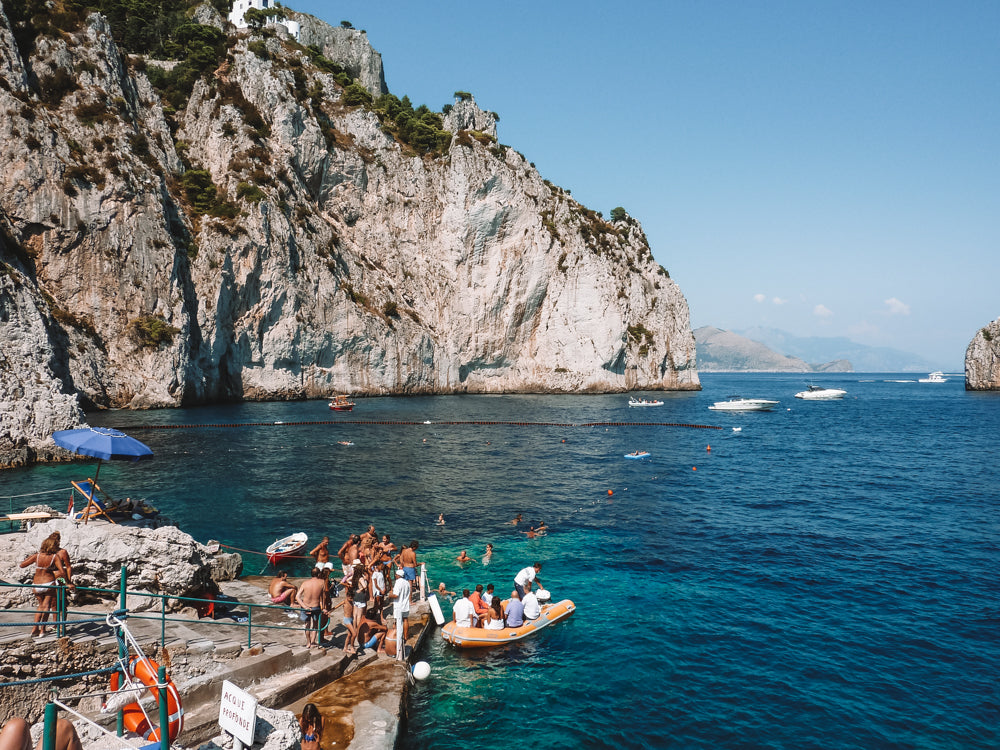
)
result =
(772, 350)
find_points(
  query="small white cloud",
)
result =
(779, 301)
(822, 311)
(759, 297)
(896, 307)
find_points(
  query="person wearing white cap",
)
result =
(401, 604)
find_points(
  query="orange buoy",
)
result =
(694, 468)
(610, 492)
(708, 448)
(134, 718)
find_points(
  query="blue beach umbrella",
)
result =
(104, 444)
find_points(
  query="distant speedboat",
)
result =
(643, 402)
(735, 403)
(819, 393)
(934, 377)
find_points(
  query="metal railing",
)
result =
(63, 614)
(20, 505)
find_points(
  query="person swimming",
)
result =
(440, 521)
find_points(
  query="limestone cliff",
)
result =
(250, 222)
(982, 359)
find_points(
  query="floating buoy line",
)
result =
(405, 423)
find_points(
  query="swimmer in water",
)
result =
(463, 558)
(440, 521)
(489, 554)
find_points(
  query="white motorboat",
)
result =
(643, 402)
(819, 393)
(735, 403)
(934, 377)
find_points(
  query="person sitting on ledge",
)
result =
(281, 591)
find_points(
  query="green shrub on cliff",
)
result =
(150, 331)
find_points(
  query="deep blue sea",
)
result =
(827, 577)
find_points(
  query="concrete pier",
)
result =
(362, 696)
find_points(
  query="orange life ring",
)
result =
(145, 670)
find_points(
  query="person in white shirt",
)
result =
(463, 611)
(401, 605)
(527, 575)
(532, 609)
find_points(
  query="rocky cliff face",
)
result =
(982, 359)
(268, 234)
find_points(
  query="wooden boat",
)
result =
(286, 547)
(342, 403)
(483, 638)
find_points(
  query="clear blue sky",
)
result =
(827, 168)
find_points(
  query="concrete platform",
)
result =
(364, 696)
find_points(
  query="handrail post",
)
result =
(249, 626)
(122, 652)
(60, 603)
(49, 737)
(163, 621)
(423, 582)
(161, 677)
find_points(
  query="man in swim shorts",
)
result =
(281, 591)
(322, 551)
(408, 559)
(310, 597)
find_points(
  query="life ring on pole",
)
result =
(134, 717)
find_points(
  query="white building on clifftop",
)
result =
(240, 7)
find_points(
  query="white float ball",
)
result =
(421, 670)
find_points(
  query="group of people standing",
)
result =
(484, 609)
(368, 565)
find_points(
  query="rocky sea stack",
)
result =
(191, 213)
(982, 359)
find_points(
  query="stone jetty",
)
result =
(260, 648)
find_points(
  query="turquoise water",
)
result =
(825, 577)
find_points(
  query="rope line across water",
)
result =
(404, 423)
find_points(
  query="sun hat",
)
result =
(399, 572)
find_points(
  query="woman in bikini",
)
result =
(47, 568)
(311, 723)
